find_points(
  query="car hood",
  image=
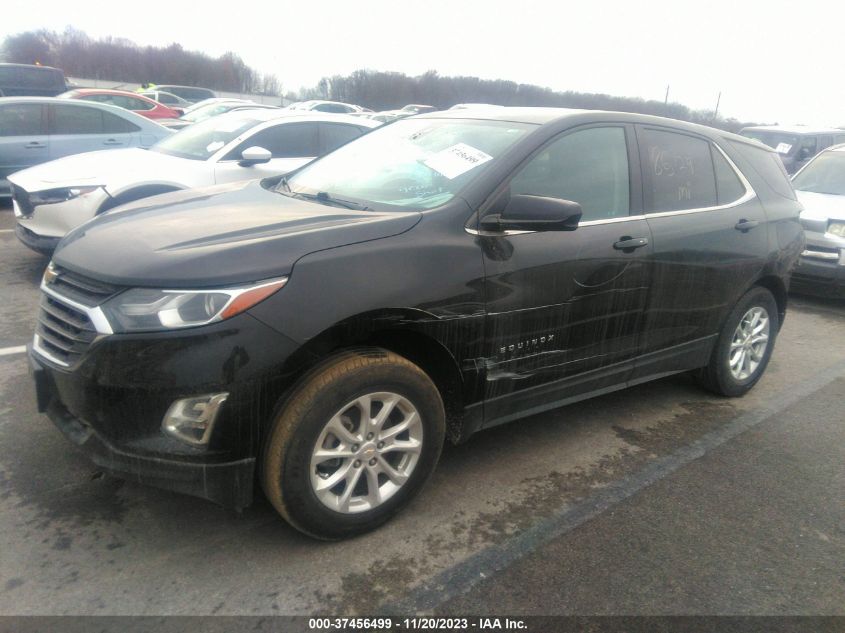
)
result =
(112, 169)
(821, 206)
(221, 235)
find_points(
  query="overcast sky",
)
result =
(772, 60)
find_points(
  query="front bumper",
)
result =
(111, 404)
(41, 227)
(38, 243)
(821, 268)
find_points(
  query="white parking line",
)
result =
(8, 351)
(7, 230)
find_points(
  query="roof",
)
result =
(29, 66)
(542, 116)
(793, 129)
(137, 119)
(269, 114)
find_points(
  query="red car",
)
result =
(127, 100)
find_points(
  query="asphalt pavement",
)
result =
(660, 499)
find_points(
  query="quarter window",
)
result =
(728, 186)
(678, 171)
(589, 167)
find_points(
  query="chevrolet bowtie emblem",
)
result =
(50, 275)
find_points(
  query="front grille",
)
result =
(66, 331)
(20, 196)
(88, 292)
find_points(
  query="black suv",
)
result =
(325, 332)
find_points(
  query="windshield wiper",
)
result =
(283, 184)
(324, 197)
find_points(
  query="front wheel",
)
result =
(353, 444)
(744, 345)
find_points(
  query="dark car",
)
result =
(27, 80)
(795, 144)
(325, 332)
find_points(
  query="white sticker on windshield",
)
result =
(456, 160)
(214, 146)
(783, 148)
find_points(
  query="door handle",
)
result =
(630, 243)
(745, 225)
(112, 141)
(35, 145)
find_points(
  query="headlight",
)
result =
(836, 228)
(147, 309)
(52, 196)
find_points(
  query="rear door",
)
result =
(710, 242)
(23, 139)
(291, 144)
(76, 128)
(566, 308)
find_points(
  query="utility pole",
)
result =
(718, 99)
(666, 98)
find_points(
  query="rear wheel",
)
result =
(353, 444)
(744, 346)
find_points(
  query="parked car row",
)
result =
(324, 329)
(52, 199)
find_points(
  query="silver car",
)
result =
(35, 130)
(820, 186)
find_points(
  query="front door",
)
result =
(23, 139)
(565, 308)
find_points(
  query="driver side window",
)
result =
(589, 167)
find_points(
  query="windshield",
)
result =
(826, 174)
(412, 163)
(782, 143)
(202, 140)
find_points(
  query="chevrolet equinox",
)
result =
(324, 333)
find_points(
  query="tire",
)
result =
(307, 488)
(719, 376)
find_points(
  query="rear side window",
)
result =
(333, 135)
(678, 171)
(589, 167)
(332, 107)
(40, 78)
(728, 186)
(113, 124)
(768, 166)
(21, 119)
(69, 119)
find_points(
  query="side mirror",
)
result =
(535, 213)
(254, 156)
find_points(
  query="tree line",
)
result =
(391, 90)
(117, 59)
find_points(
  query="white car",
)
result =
(55, 197)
